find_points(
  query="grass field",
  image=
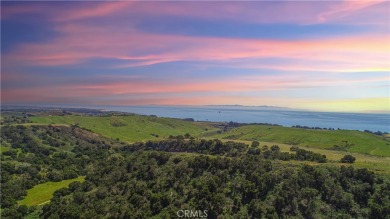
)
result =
(130, 128)
(42, 193)
(362, 142)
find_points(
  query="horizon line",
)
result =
(97, 106)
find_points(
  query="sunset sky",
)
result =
(317, 55)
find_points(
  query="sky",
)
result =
(315, 55)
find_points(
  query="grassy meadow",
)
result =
(130, 128)
(42, 193)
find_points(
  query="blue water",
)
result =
(280, 116)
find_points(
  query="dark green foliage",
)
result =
(12, 153)
(230, 149)
(14, 119)
(309, 155)
(348, 159)
(45, 155)
(379, 203)
(179, 144)
(117, 123)
(149, 183)
(255, 144)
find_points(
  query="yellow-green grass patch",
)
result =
(4, 148)
(43, 192)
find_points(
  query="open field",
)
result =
(42, 193)
(360, 142)
(130, 128)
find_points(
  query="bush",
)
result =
(348, 159)
(255, 144)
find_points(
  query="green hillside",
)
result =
(134, 128)
(356, 141)
(378, 164)
(130, 128)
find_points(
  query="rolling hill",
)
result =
(130, 128)
(350, 140)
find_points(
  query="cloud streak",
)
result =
(340, 54)
(256, 12)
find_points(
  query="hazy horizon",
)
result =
(104, 107)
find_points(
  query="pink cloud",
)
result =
(256, 12)
(346, 8)
(136, 85)
(86, 43)
(131, 90)
(97, 9)
(9, 11)
(79, 43)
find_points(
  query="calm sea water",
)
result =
(352, 121)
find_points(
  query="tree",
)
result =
(275, 148)
(23, 209)
(348, 159)
(255, 144)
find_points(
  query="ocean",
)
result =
(272, 115)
